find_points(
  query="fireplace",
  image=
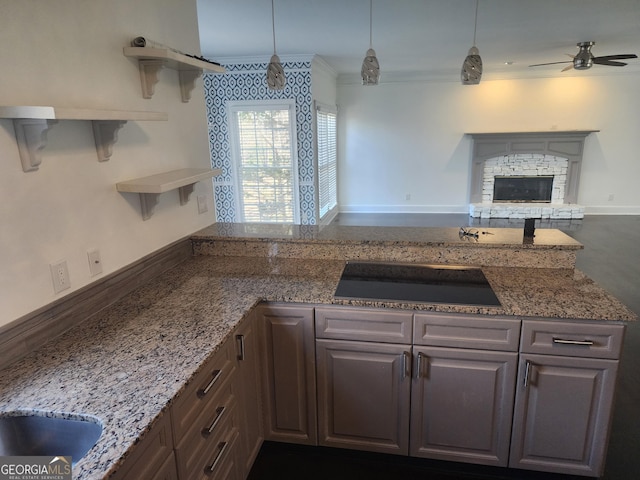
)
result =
(523, 189)
(526, 174)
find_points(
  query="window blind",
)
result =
(327, 160)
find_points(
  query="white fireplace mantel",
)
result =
(567, 144)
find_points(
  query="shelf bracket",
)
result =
(148, 202)
(105, 134)
(31, 136)
(149, 75)
(185, 192)
(188, 82)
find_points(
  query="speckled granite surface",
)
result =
(503, 247)
(124, 365)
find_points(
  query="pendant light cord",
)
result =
(475, 24)
(371, 23)
(273, 26)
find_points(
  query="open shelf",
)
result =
(31, 124)
(152, 59)
(152, 186)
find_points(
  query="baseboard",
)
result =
(606, 210)
(31, 331)
(404, 209)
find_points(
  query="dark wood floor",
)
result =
(611, 257)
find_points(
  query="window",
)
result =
(327, 159)
(264, 156)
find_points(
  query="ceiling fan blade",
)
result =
(568, 67)
(616, 57)
(552, 63)
(609, 63)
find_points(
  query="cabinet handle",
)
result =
(240, 340)
(222, 446)
(203, 391)
(209, 430)
(406, 362)
(419, 369)
(562, 341)
(527, 373)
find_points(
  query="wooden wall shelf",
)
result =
(151, 60)
(31, 124)
(152, 186)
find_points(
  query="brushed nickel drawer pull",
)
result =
(584, 343)
(240, 340)
(222, 446)
(405, 364)
(419, 369)
(527, 373)
(216, 375)
(209, 430)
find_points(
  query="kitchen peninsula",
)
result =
(131, 363)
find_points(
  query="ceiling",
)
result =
(430, 37)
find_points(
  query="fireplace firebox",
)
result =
(523, 189)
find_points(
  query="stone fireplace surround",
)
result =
(557, 153)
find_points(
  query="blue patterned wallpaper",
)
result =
(248, 82)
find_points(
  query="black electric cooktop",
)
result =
(458, 285)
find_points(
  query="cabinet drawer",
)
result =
(207, 430)
(572, 339)
(347, 323)
(196, 453)
(200, 392)
(466, 331)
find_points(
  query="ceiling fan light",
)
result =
(370, 68)
(471, 72)
(275, 74)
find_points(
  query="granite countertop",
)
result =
(423, 236)
(125, 364)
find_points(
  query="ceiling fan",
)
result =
(585, 59)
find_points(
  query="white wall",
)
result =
(68, 53)
(407, 138)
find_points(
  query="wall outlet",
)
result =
(60, 276)
(202, 204)
(407, 196)
(95, 264)
(611, 197)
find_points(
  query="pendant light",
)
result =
(370, 66)
(472, 65)
(275, 72)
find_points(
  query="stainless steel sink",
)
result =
(33, 435)
(416, 283)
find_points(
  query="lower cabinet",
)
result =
(248, 362)
(462, 404)
(152, 458)
(364, 395)
(288, 373)
(562, 414)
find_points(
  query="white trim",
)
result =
(264, 59)
(617, 210)
(404, 209)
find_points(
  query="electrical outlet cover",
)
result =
(95, 264)
(202, 204)
(60, 276)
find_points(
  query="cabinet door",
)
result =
(288, 373)
(251, 434)
(462, 404)
(363, 395)
(562, 414)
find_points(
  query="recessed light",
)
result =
(509, 62)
